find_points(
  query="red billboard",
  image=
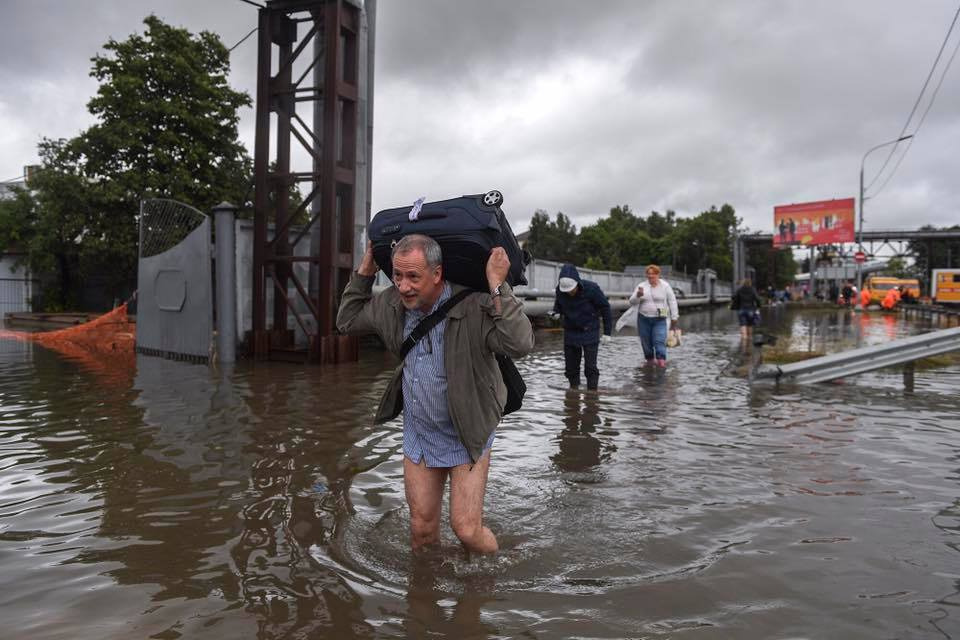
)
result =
(810, 223)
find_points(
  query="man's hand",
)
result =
(605, 339)
(674, 324)
(498, 266)
(368, 266)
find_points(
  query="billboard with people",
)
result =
(812, 223)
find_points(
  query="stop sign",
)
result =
(859, 256)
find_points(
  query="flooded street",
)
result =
(170, 500)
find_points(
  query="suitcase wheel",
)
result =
(493, 198)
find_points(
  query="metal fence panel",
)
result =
(15, 294)
(174, 282)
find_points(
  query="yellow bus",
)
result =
(945, 286)
(878, 287)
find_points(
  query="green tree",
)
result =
(898, 268)
(615, 241)
(552, 240)
(50, 221)
(704, 241)
(623, 238)
(659, 226)
(166, 127)
(772, 267)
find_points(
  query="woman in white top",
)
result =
(657, 303)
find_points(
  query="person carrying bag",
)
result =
(516, 387)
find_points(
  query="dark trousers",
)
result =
(571, 359)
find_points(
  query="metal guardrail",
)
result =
(848, 363)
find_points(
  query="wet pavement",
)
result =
(166, 500)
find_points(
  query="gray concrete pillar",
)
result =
(224, 215)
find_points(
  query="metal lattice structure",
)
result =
(894, 241)
(328, 86)
(164, 224)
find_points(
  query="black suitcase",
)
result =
(466, 228)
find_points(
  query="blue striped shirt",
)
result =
(428, 432)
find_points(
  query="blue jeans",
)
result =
(653, 336)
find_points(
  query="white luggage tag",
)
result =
(415, 209)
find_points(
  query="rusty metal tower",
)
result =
(316, 240)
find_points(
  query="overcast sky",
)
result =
(580, 106)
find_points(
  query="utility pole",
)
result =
(859, 305)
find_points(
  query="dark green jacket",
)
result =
(475, 331)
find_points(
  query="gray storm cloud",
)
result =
(577, 107)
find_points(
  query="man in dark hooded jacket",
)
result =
(579, 302)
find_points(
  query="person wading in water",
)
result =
(448, 386)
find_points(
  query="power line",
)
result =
(252, 31)
(919, 98)
(16, 179)
(243, 39)
(923, 117)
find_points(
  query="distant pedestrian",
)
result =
(747, 303)
(906, 296)
(580, 303)
(657, 305)
(891, 299)
(846, 293)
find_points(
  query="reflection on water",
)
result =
(170, 500)
(581, 448)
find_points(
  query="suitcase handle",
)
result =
(431, 215)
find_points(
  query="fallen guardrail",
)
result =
(848, 363)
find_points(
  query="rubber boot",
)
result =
(592, 382)
(662, 363)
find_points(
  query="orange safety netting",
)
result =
(112, 332)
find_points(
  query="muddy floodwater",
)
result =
(157, 499)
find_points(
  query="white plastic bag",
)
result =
(629, 317)
(674, 338)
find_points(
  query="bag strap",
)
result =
(432, 320)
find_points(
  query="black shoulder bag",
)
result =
(516, 387)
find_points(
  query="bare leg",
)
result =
(467, 488)
(424, 490)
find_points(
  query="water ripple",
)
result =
(260, 501)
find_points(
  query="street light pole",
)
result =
(859, 305)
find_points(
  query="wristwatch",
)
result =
(496, 291)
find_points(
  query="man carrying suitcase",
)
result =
(448, 386)
(579, 302)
